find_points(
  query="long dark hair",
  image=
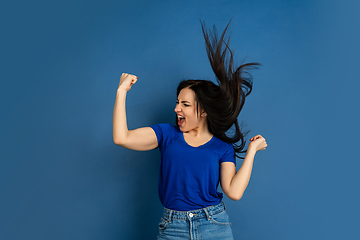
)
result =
(223, 102)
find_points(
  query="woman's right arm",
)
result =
(140, 139)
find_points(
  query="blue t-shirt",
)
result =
(189, 176)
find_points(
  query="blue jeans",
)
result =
(206, 223)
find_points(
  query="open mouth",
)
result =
(181, 120)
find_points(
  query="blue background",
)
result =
(61, 175)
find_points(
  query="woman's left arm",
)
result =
(234, 183)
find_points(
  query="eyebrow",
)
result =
(183, 101)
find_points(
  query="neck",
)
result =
(201, 131)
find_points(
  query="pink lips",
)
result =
(181, 120)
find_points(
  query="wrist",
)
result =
(251, 149)
(121, 90)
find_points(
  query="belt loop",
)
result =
(170, 215)
(207, 214)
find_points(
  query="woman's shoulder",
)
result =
(165, 128)
(165, 132)
(221, 144)
(224, 149)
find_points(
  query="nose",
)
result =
(177, 108)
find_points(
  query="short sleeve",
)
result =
(164, 133)
(229, 155)
(158, 132)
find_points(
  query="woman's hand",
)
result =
(258, 143)
(127, 80)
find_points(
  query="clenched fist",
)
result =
(127, 80)
(258, 143)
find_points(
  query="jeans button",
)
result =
(191, 215)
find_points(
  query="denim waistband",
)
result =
(194, 214)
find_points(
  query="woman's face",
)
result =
(187, 116)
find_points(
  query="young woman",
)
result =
(199, 152)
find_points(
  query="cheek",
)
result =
(193, 119)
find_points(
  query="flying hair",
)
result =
(223, 102)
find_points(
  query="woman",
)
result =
(199, 152)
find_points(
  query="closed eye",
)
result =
(185, 103)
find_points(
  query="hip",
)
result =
(206, 223)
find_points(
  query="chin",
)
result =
(183, 129)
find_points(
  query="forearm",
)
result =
(241, 179)
(120, 129)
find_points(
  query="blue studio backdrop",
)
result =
(61, 175)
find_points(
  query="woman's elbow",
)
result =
(119, 142)
(234, 197)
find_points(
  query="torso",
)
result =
(189, 169)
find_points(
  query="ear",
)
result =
(203, 113)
